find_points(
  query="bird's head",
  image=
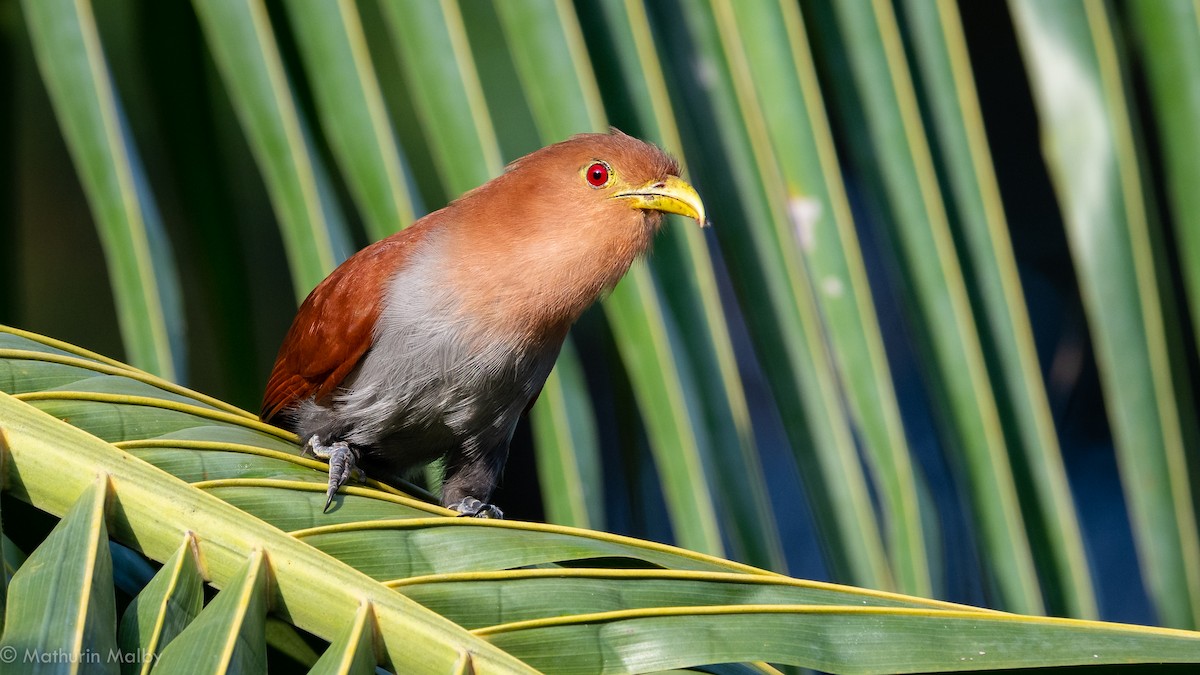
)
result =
(538, 244)
(627, 173)
(608, 179)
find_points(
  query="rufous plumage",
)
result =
(434, 341)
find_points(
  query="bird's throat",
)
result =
(536, 288)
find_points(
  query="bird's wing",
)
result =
(335, 324)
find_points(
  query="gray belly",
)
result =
(412, 400)
(431, 383)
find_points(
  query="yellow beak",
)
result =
(674, 195)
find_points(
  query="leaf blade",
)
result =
(353, 116)
(988, 259)
(145, 283)
(1080, 97)
(683, 269)
(917, 640)
(819, 225)
(775, 296)
(242, 44)
(1172, 28)
(551, 61)
(934, 278)
(353, 652)
(156, 510)
(230, 635)
(61, 606)
(164, 608)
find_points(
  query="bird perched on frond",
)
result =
(434, 341)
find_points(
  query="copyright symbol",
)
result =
(8, 654)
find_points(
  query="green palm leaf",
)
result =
(158, 497)
(350, 104)
(61, 600)
(548, 49)
(788, 106)
(933, 278)
(231, 632)
(735, 354)
(683, 270)
(245, 50)
(1170, 44)
(989, 263)
(1078, 85)
(145, 286)
(540, 592)
(164, 608)
(778, 302)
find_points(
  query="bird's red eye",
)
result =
(597, 174)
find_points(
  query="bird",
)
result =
(433, 342)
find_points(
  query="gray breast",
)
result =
(430, 381)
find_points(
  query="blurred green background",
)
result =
(941, 338)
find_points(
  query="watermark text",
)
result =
(11, 654)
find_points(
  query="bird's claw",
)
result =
(343, 464)
(473, 508)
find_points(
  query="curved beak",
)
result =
(674, 195)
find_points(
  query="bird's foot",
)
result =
(473, 508)
(343, 464)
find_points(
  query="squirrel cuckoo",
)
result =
(434, 341)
